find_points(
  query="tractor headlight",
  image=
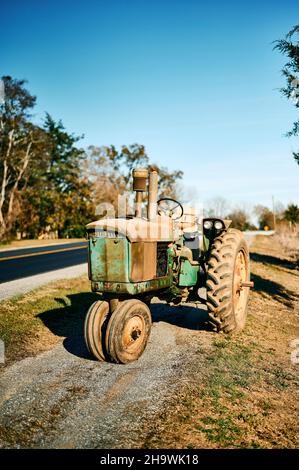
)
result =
(208, 224)
(218, 225)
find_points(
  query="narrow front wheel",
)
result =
(128, 331)
(95, 329)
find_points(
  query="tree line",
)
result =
(49, 184)
(275, 218)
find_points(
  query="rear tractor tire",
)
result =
(228, 269)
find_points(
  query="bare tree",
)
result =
(110, 172)
(216, 207)
(17, 136)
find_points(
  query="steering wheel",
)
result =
(170, 207)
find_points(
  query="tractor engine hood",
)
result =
(138, 229)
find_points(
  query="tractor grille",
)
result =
(162, 259)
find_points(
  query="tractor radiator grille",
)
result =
(162, 259)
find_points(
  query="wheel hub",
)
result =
(240, 275)
(133, 332)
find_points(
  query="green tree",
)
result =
(265, 217)
(291, 214)
(63, 157)
(240, 220)
(290, 48)
(58, 197)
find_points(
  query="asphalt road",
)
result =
(20, 263)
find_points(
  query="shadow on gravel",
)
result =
(267, 259)
(275, 290)
(68, 320)
(185, 316)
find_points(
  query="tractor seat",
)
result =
(192, 241)
(188, 225)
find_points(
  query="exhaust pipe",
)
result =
(140, 178)
(152, 195)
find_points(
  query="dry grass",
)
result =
(245, 392)
(289, 242)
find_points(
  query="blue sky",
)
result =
(196, 82)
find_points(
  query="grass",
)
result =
(36, 321)
(289, 242)
(219, 430)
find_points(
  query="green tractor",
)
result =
(168, 255)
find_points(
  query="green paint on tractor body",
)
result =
(110, 268)
(110, 264)
(109, 259)
(188, 274)
(132, 288)
(119, 266)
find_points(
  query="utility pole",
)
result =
(273, 211)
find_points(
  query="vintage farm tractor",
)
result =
(168, 255)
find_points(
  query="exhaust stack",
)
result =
(143, 179)
(152, 195)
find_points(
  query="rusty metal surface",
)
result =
(143, 261)
(140, 176)
(152, 196)
(240, 295)
(132, 288)
(121, 267)
(109, 259)
(247, 284)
